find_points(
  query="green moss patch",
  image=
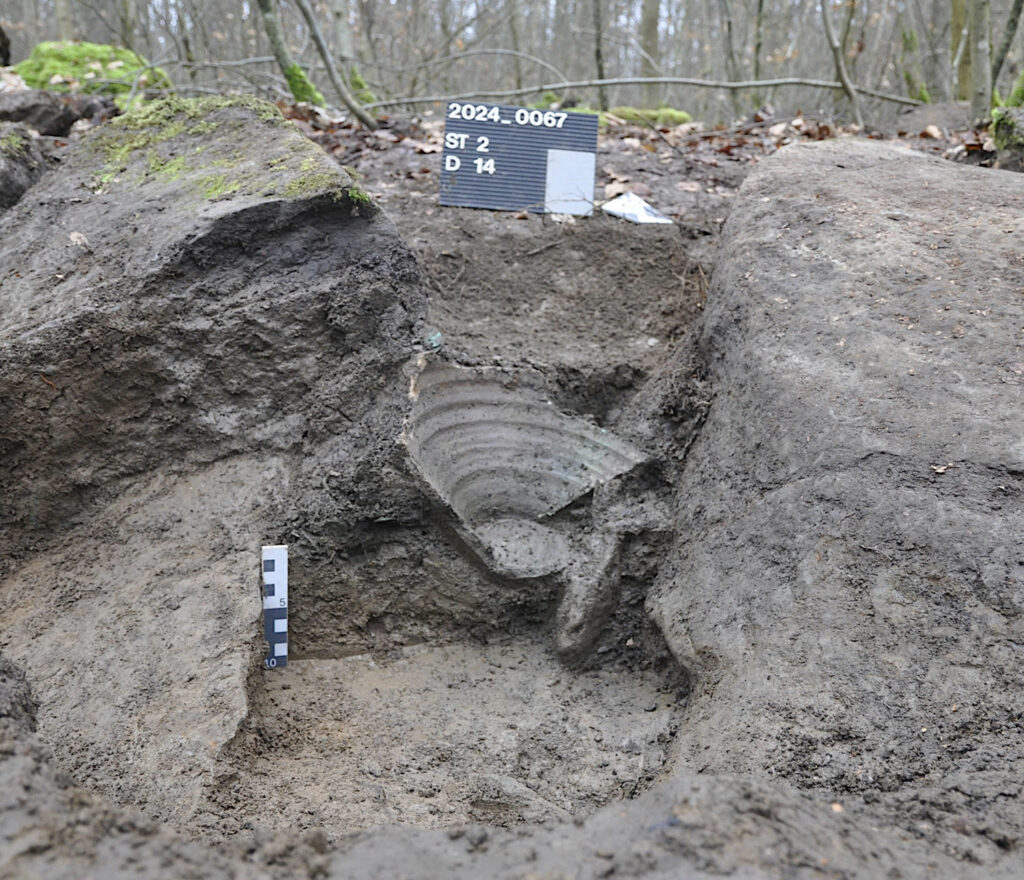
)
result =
(1008, 129)
(363, 93)
(14, 144)
(89, 67)
(301, 88)
(195, 144)
(664, 117)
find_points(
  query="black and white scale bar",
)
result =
(275, 605)
(513, 158)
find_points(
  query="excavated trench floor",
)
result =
(497, 734)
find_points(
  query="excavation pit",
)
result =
(433, 736)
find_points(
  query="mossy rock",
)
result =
(197, 147)
(663, 117)
(89, 67)
(301, 87)
(1008, 128)
(364, 94)
(21, 163)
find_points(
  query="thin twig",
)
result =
(640, 80)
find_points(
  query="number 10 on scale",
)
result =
(454, 140)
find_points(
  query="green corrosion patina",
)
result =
(90, 67)
(194, 144)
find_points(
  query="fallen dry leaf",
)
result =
(615, 175)
(424, 146)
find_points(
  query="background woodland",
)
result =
(386, 50)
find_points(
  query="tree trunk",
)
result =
(602, 93)
(732, 71)
(332, 71)
(298, 83)
(837, 54)
(343, 48)
(960, 28)
(126, 23)
(1008, 35)
(65, 20)
(30, 15)
(649, 63)
(512, 10)
(758, 39)
(981, 61)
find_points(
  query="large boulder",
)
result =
(45, 112)
(199, 313)
(849, 591)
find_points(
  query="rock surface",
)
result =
(177, 371)
(850, 592)
(47, 113)
(21, 163)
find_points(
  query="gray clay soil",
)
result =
(781, 639)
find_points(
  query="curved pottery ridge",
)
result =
(496, 451)
(493, 447)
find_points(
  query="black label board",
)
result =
(510, 158)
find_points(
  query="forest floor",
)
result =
(690, 173)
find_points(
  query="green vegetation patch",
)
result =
(89, 67)
(664, 117)
(1008, 129)
(363, 93)
(14, 144)
(301, 88)
(1016, 96)
(195, 143)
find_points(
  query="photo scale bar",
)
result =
(275, 605)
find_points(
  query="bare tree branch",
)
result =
(639, 80)
(1008, 34)
(837, 54)
(239, 62)
(347, 98)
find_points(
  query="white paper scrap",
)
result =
(631, 207)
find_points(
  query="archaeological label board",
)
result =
(514, 158)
